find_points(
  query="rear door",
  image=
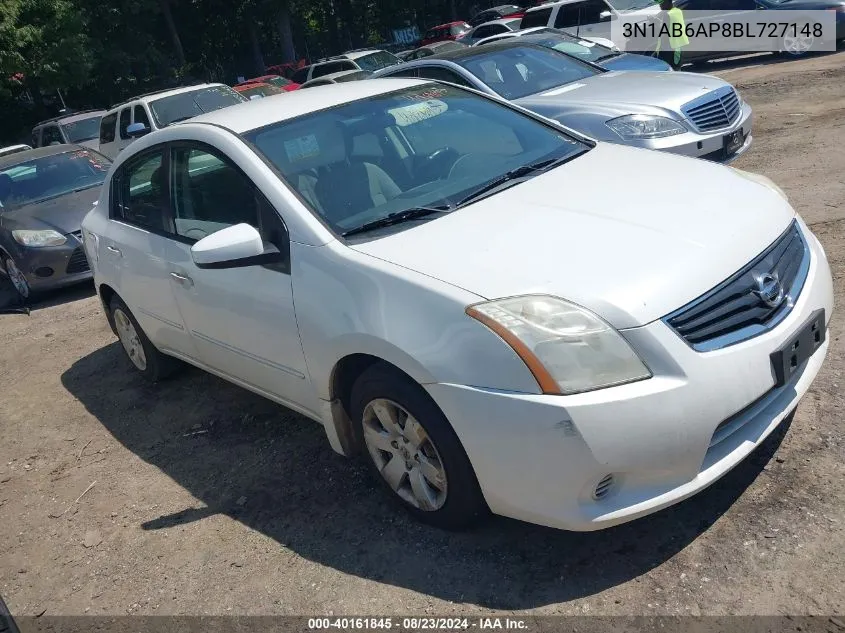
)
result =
(594, 18)
(138, 250)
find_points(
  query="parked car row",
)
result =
(498, 313)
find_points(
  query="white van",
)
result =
(136, 117)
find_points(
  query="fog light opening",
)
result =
(603, 487)
(44, 271)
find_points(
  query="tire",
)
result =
(17, 279)
(795, 47)
(431, 473)
(141, 353)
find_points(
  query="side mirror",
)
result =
(137, 130)
(233, 247)
(605, 16)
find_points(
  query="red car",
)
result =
(256, 89)
(450, 31)
(274, 80)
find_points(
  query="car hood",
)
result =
(630, 61)
(63, 213)
(662, 89)
(632, 234)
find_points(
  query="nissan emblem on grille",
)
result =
(769, 289)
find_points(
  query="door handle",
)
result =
(114, 250)
(182, 279)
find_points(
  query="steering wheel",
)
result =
(437, 164)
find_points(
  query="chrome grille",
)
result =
(713, 111)
(77, 263)
(733, 312)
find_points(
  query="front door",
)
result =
(242, 319)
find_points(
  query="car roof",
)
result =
(356, 54)
(39, 152)
(71, 117)
(498, 21)
(440, 26)
(472, 51)
(243, 117)
(158, 94)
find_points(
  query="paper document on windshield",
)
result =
(416, 112)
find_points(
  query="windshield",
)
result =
(51, 176)
(352, 76)
(582, 49)
(185, 105)
(377, 61)
(83, 130)
(630, 5)
(520, 71)
(428, 145)
(279, 82)
(262, 90)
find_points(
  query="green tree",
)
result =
(45, 42)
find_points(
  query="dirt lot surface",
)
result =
(205, 499)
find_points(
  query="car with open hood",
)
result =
(494, 312)
(684, 113)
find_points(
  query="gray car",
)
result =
(44, 194)
(684, 113)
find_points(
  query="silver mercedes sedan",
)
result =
(684, 113)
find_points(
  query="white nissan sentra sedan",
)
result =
(496, 312)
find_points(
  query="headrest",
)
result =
(302, 147)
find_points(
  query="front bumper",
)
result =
(54, 266)
(709, 145)
(539, 458)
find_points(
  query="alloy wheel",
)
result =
(129, 339)
(17, 278)
(404, 454)
(797, 44)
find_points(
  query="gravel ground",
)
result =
(200, 498)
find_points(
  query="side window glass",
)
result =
(210, 194)
(35, 138)
(141, 116)
(107, 128)
(411, 72)
(590, 11)
(125, 115)
(442, 74)
(567, 16)
(51, 136)
(142, 197)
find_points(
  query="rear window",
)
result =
(83, 129)
(539, 17)
(377, 61)
(332, 67)
(186, 105)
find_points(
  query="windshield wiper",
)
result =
(396, 218)
(514, 177)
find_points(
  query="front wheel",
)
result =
(796, 44)
(18, 279)
(143, 355)
(414, 451)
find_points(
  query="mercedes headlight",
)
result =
(761, 180)
(567, 348)
(632, 127)
(46, 237)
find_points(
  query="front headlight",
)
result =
(632, 127)
(567, 348)
(46, 237)
(761, 180)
